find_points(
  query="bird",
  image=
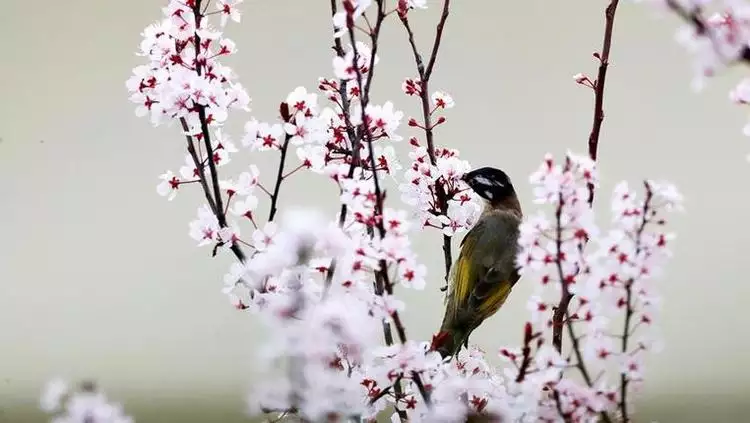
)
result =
(485, 271)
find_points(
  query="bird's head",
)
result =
(489, 183)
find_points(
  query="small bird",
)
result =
(485, 271)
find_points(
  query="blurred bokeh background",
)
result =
(99, 279)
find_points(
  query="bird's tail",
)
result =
(451, 337)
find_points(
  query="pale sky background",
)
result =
(98, 277)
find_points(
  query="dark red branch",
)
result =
(626, 330)
(603, 56)
(528, 336)
(562, 307)
(198, 166)
(279, 178)
(424, 77)
(382, 280)
(214, 198)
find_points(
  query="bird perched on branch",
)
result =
(485, 271)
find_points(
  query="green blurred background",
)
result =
(98, 278)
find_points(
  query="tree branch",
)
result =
(424, 77)
(382, 280)
(199, 167)
(279, 178)
(214, 199)
(626, 330)
(609, 17)
(562, 308)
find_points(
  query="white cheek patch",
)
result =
(488, 194)
(482, 180)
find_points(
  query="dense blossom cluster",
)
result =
(420, 189)
(717, 35)
(325, 285)
(612, 278)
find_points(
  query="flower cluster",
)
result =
(717, 35)
(608, 276)
(183, 75)
(426, 185)
(83, 405)
(432, 184)
(325, 285)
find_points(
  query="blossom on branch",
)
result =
(326, 286)
(85, 404)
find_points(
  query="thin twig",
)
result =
(279, 178)
(424, 77)
(609, 17)
(528, 336)
(562, 307)
(624, 412)
(198, 166)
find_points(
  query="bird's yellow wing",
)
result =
(463, 277)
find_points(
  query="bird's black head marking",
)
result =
(489, 183)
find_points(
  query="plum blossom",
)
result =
(169, 185)
(229, 10)
(357, 7)
(717, 35)
(345, 67)
(442, 100)
(178, 79)
(384, 120)
(419, 190)
(205, 229)
(84, 404)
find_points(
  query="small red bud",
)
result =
(527, 332)
(413, 122)
(284, 111)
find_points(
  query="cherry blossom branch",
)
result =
(561, 317)
(562, 307)
(382, 280)
(603, 57)
(204, 123)
(629, 309)
(528, 336)
(424, 77)
(355, 145)
(561, 310)
(279, 177)
(214, 199)
(198, 166)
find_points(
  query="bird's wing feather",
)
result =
(463, 280)
(462, 275)
(489, 293)
(493, 277)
